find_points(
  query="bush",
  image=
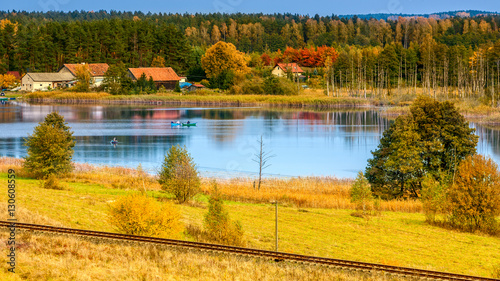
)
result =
(141, 215)
(218, 227)
(51, 183)
(178, 174)
(433, 198)
(50, 148)
(361, 193)
(475, 196)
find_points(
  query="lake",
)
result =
(224, 142)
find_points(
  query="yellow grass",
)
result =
(54, 257)
(302, 192)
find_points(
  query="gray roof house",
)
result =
(44, 81)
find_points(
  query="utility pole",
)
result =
(276, 202)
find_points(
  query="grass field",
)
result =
(394, 238)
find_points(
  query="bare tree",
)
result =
(261, 158)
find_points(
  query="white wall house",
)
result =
(97, 70)
(32, 82)
(281, 69)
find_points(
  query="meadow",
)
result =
(396, 237)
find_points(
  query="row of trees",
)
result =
(415, 51)
(431, 154)
(258, 32)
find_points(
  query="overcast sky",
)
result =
(321, 7)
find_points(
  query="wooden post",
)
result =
(276, 202)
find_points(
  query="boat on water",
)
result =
(174, 124)
(188, 124)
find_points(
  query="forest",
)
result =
(456, 56)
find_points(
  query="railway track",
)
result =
(363, 266)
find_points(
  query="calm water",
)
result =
(224, 142)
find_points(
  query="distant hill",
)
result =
(441, 15)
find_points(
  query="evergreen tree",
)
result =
(178, 174)
(431, 140)
(50, 148)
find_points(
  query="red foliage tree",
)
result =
(266, 59)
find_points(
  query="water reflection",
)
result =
(306, 142)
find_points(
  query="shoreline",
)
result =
(480, 114)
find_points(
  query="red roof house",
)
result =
(281, 69)
(162, 76)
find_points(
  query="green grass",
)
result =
(402, 239)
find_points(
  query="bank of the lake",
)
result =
(310, 100)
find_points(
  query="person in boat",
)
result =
(114, 140)
(189, 122)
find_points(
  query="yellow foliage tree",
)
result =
(223, 57)
(158, 61)
(7, 81)
(141, 215)
(84, 78)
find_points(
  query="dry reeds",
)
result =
(303, 192)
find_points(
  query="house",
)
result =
(15, 74)
(44, 81)
(162, 76)
(195, 87)
(281, 69)
(97, 70)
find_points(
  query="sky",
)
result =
(321, 7)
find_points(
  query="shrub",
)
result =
(51, 183)
(178, 174)
(361, 193)
(141, 215)
(474, 196)
(50, 148)
(433, 198)
(218, 227)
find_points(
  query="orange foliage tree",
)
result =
(309, 57)
(474, 197)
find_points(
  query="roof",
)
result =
(15, 74)
(50, 77)
(96, 69)
(157, 73)
(198, 86)
(294, 66)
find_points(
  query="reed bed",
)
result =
(303, 192)
(300, 192)
(303, 100)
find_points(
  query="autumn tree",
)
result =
(84, 79)
(474, 196)
(178, 174)
(138, 214)
(221, 62)
(7, 81)
(158, 61)
(50, 148)
(431, 140)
